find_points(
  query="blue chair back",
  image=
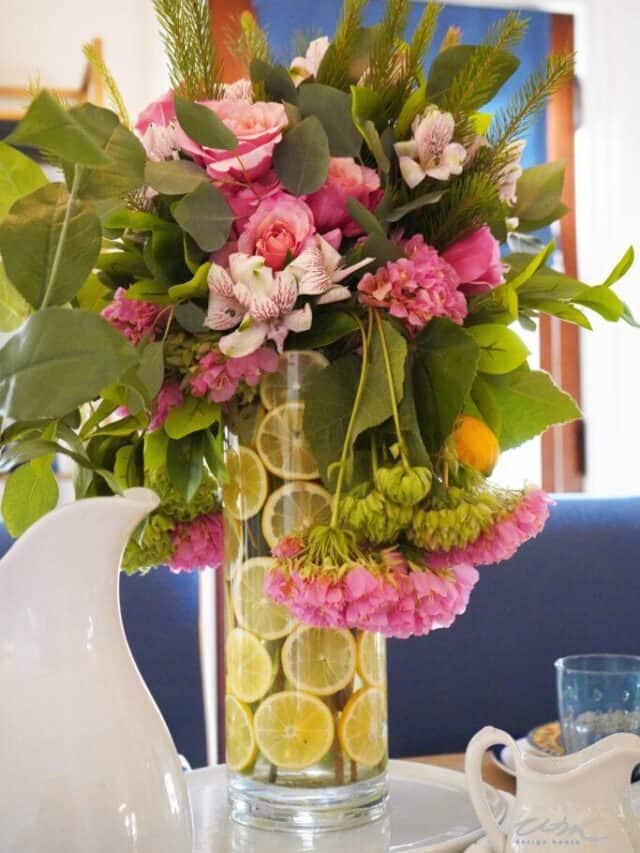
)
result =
(576, 588)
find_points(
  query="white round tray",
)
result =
(429, 812)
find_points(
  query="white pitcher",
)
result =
(581, 802)
(87, 763)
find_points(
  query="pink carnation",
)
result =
(287, 548)
(218, 377)
(501, 541)
(346, 180)
(476, 259)
(417, 288)
(198, 544)
(133, 317)
(278, 230)
(170, 397)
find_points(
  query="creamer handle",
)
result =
(484, 740)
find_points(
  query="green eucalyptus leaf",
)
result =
(205, 215)
(57, 361)
(30, 492)
(376, 147)
(446, 363)
(19, 176)
(501, 350)
(539, 193)
(191, 317)
(333, 108)
(381, 249)
(366, 105)
(328, 327)
(195, 414)
(276, 79)
(448, 63)
(203, 126)
(301, 160)
(49, 127)
(365, 218)
(185, 467)
(14, 310)
(174, 177)
(416, 204)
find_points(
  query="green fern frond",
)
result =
(389, 53)
(185, 27)
(483, 70)
(422, 37)
(248, 41)
(517, 117)
(471, 201)
(116, 100)
(343, 46)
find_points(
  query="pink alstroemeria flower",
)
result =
(319, 272)
(306, 67)
(258, 301)
(430, 153)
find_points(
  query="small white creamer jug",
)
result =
(581, 802)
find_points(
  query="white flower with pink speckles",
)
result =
(431, 152)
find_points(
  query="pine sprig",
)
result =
(343, 46)
(248, 41)
(422, 37)
(185, 27)
(472, 200)
(482, 72)
(116, 100)
(389, 53)
(534, 95)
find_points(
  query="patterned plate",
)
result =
(547, 739)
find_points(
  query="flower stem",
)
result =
(392, 391)
(62, 238)
(346, 446)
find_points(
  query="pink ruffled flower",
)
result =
(417, 288)
(133, 317)
(476, 259)
(170, 397)
(287, 548)
(217, 377)
(346, 180)
(501, 541)
(317, 602)
(198, 544)
(278, 230)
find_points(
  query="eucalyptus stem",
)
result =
(392, 392)
(57, 258)
(352, 421)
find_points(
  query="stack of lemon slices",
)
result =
(295, 694)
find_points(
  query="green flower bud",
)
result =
(406, 487)
(175, 505)
(153, 549)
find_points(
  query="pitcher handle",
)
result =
(479, 744)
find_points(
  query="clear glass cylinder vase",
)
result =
(306, 707)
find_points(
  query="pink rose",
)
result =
(160, 113)
(244, 198)
(346, 180)
(476, 259)
(258, 128)
(278, 230)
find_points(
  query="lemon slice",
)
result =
(372, 660)
(233, 548)
(296, 371)
(293, 730)
(246, 491)
(318, 660)
(249, 666)
(362, 729)
(293, 509)
(253, 608)
(239, 736)
(282, 444)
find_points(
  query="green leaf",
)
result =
(366, 105)
(203, 126)
(49, 127)
(93, 295)
(603, 301)
(19, 176)
(214, 456)
(550, 284)
(333, 108)
(621, 268)
(450, 62)
(174, 177)
(445, 367)
(122, 468)
(14, 310)
(163, 254)
(301, 160)
(539, 191)
(185, 464)
(416, 204)
(196, 286)
(276, 79)
(30, 492)
(126, 156)
(149, 372)
(365, 219)
(57, 361)
(191, 317)
(501, 350)
(328, 406)
(376, 146)
(136, 220)
(156, 444)
(523, 266)
(205, 215)
(195, 414)
(413, 106)
(375, 407)
(482, 396)
(529, 403)
(381, 249)
(327, 328)
(30, 243)
(409, 424)
(564, 311)
(149, 290)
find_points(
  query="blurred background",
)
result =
(593, 125)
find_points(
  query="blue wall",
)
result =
(284, 20)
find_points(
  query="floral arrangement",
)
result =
(355, 204)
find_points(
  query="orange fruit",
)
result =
(476, 444)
